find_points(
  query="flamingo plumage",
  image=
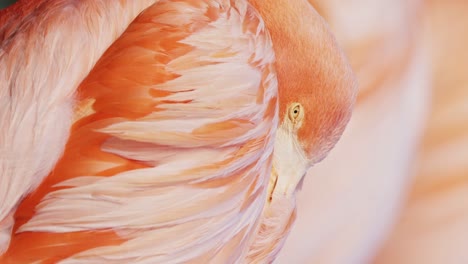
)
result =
(161, 131)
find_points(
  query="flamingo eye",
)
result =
(296, 113)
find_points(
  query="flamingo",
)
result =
(162, 131)
(348, 214)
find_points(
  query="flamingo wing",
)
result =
(169, 156)
(46, 50)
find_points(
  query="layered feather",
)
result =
(170, 154)
(46, 50)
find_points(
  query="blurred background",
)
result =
(5, 3)
(395, 189)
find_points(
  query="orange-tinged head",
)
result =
(316, 92)
(317, 87)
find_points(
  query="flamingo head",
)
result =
(317, 89)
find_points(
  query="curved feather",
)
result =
(170, 154)
(46, 50)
